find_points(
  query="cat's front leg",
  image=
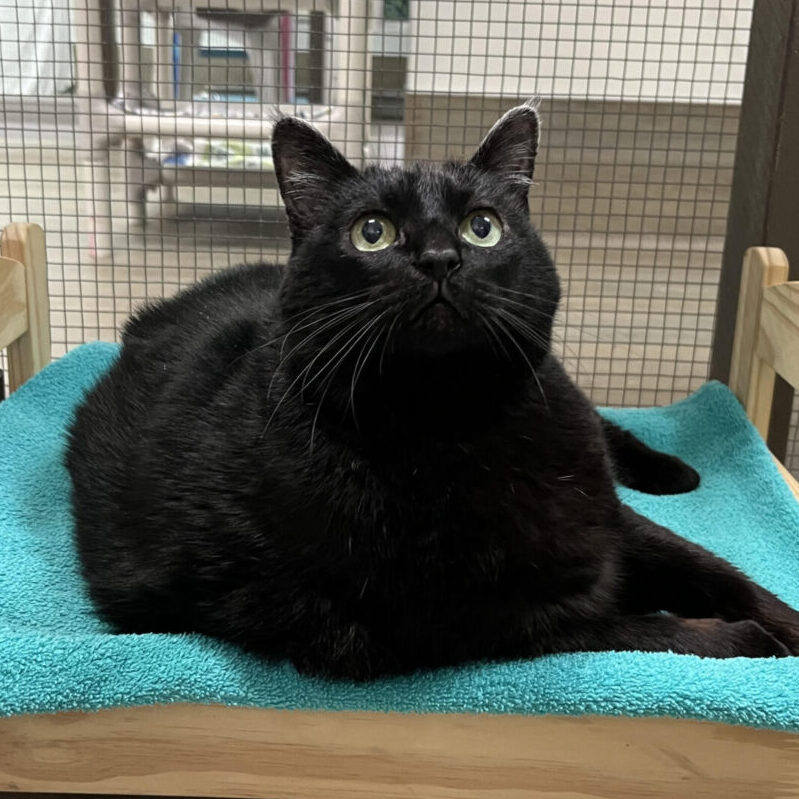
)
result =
(329, 643)
(662, 571)
(344, 654)
(712, 638)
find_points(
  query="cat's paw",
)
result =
(344, 653)
(746, 639)
(780, 619)
(786, 630)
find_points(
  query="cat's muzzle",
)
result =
(441, 300)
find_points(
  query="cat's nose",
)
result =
(438, 262)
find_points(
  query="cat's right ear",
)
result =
(308, 168)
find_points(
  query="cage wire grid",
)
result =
(134, 133)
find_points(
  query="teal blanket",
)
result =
(55, 654)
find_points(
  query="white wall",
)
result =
(35, 47)
(659, 50)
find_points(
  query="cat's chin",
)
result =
(438, 316)
(439, 328)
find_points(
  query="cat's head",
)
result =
(429, 261)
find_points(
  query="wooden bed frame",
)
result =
(196, 750)
(24, 305)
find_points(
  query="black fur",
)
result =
(371, 462)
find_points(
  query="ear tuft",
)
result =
(510, 147)
(308, 168)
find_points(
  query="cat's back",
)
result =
(210, 320)
(226, 299)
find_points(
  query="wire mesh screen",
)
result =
(137, 134)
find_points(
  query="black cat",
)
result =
(370, 461)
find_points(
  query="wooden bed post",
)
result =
(30, 351)
(751, 378)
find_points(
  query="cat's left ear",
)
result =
(510, 147)
(309, 171)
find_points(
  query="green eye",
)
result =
(481, 228)
(373, 232)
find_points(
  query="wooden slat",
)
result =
(778, 343)
(766, 338)
(191, 750)
(31, 351)
(13, 314)
(751, 379)
(760, 399)
(789, 479)
(763, 267)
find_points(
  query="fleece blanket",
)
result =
(55, 654)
